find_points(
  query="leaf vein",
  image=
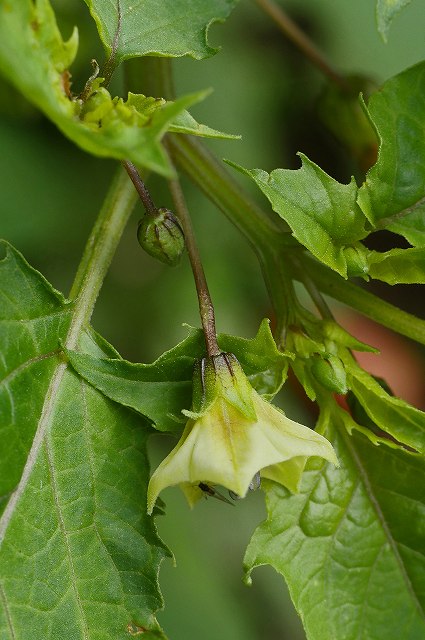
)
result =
(7, 612)
(381, 518)
(61, 522)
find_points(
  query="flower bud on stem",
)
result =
(159, 232)
(162, 239)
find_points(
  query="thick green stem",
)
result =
(366, 303)
(99, 251)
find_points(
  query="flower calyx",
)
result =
(232, 435)
(159, 233)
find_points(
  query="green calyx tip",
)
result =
(221, 375)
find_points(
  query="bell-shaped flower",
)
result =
(233, 434)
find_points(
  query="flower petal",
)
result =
(235, 436)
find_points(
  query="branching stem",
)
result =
(300, 40)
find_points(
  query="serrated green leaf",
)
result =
(353, 567)
(35, 60)
(159, 390)
(172, 28)
(393, 415)
(385, 12)
(162, 389)
(322, 213)
(186, 123)
(77, 551)
(330, 219)
(398, 266)
(356, 421)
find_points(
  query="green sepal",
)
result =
(161, 390)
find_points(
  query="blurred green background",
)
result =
(51, 193)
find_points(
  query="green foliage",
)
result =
(173, 28)
(330, 219)
(353, 567)
(35, 58)
(162, 389)
(75, 544)
(79, 555)
(392, 415)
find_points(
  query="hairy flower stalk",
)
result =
(231, 435)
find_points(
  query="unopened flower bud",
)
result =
(330, 372)
(160, 235)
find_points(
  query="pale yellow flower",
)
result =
(232, 434)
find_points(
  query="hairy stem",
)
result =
(301, 40)
(111, 63)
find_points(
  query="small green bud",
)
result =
(357, 264)
(160, 235)
(330, 373)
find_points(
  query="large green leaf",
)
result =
(34, 57)
(79, 557)
(385, 12)
(351, 544)
(330, 219)
(322, 213)
(162, 389)
(148, 27)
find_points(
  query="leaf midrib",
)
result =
(381, 518)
